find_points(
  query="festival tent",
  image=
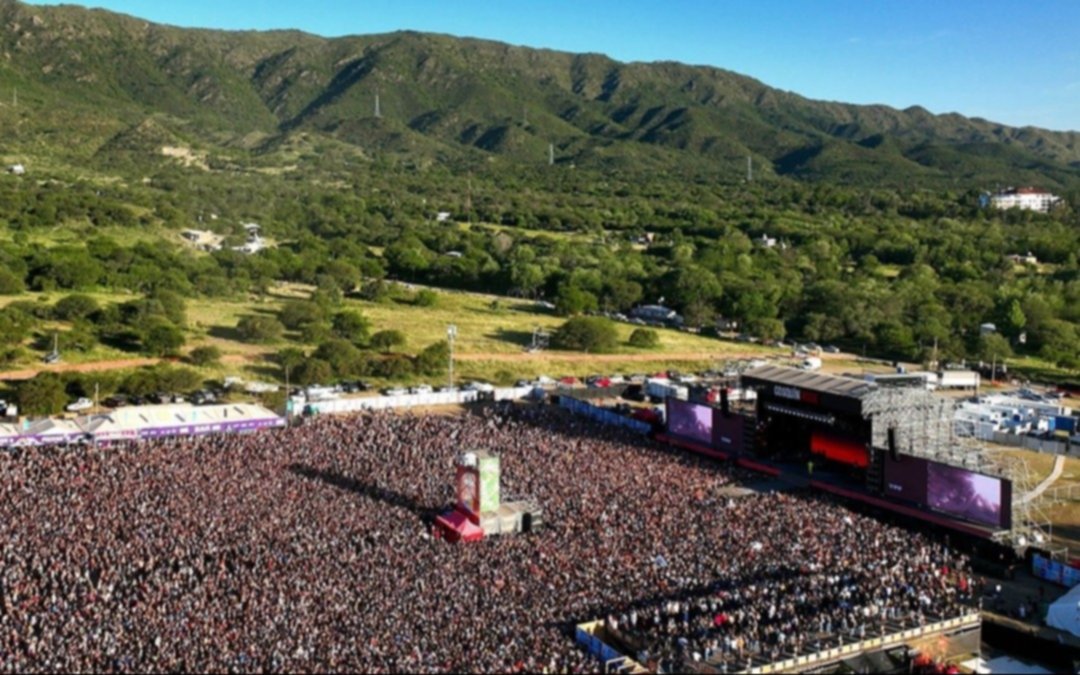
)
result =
(456, 526)
(1064, 613)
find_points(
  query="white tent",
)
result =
(1064, 614)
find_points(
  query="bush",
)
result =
(386, 340)
(261, 329)
(434, 360)
(10, 284)
(313, 371)
(75, 306)
(207, 355)
(644, 338)
(586, 334)
(352, 326)
(344, 358)
(426, 298)
(295, 314)
(395, 367)
(162, 339)
(42, 395)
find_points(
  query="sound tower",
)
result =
(724, 406)
(894, 454)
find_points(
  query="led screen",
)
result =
(727, 432)
(964, 494)
(905, 478)
(690, 420)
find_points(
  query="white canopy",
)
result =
(1064, 614)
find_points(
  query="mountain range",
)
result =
(91, 88)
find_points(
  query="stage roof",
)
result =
(805, 379)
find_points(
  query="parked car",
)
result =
(117, 401)
(80, 405)
(51, 357)
(421, 389)
(395, 391)
(831, 349)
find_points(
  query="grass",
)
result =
(490, 342)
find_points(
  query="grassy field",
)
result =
(491, 339)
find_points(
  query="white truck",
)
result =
(659, 388)
(958, 379)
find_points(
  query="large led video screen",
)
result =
(905, 478)
(727, 431)
(968, 495)
(690, 420)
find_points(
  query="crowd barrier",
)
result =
(603, 416)
(588, 638)
(348, 405)
(1054, 571)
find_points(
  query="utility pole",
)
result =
(288, 397)
(451, 334)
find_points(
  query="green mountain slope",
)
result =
(88, 81)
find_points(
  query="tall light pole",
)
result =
(451, 334)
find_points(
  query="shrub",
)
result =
(644, 338)
(386, 340)
(434, 359)
(42, 395)
(75, 306)
(426, 297)
(586, 334)
(260, 329)
(207, 355)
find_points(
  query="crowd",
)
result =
(310, 549)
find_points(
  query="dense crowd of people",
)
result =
(310, 548)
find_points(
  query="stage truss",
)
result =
(924, 425)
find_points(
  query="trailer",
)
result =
(958, 379)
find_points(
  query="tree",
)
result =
(768, 330)
(42, 395)
(290, 357)
(994, 347)
(295, 314)
(207, 355)
(571, 300)
(75, 306)
(10, 284)
(162, 339)
(386, 340)
(352, 326)
(259, 329)
(434, 359)
(644, 338)
(344, 358)
(313, 371)
(586, 334)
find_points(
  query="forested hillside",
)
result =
(131, 132)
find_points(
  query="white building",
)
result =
(1028, 198)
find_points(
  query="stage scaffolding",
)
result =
(924, 426)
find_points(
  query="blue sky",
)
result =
(1015, 63)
